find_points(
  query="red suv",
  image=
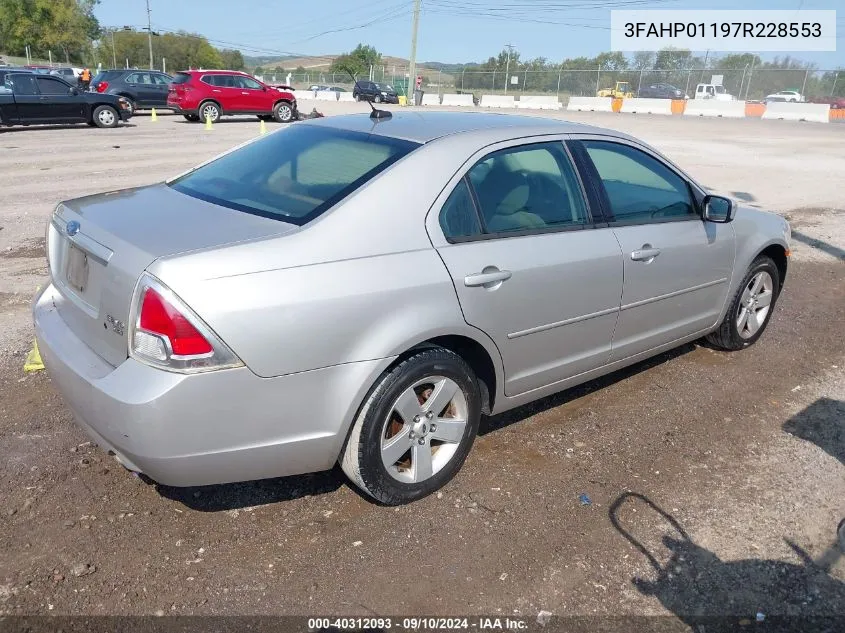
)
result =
(209, 94)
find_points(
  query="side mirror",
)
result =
(73, 92)
(718, 209)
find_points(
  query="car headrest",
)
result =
(505, 192)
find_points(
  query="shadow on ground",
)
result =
(710, 594)
(818, 244)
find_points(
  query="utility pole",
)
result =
(150, 34)
(412, 71)
(113, 51)
(508, 67)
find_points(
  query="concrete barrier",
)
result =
(345, 96)
(497, 101)
(458, 100)
(326, 95)
(816, 112)
(304, 95)
(430, 99)
(647, 106)
(590, 104)
(539, 102)
(711, 107)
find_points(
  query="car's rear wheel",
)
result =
(283, 112)
(751, 308)
(105, 116)
(415, 429)
(209, 110)
(378, 99)
(356, 96)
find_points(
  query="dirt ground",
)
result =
(715, 481)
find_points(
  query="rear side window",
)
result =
(181, 78)
(23, 84)
(294, 175)
(458, 217)
(161, 80)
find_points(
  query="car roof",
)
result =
(215, 72)
(423, 127)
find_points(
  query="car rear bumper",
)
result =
(208, 428)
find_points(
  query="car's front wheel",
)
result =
(415, 429)
(751, 308)
(105, 116)
(283, 112)
(378, 99)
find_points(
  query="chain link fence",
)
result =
(752, 84)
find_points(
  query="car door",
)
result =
(161, 84)
(530, 268)
(677, 267)
(142, 87)
(27, 99)
(253, 96)
(58, 101)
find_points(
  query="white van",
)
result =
(712, 91)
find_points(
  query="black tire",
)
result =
(356, 96)
(105, 116)
(191, 117)
(132, 106)
(211, 109)
(361, 458)
(283, 112)
(727, 337)
(378, 99)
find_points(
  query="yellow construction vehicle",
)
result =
(621, 91)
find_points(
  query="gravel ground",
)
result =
(716, 481)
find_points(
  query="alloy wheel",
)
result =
(755, 304)
(424, 429)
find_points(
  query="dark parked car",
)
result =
(142, 88)
(661, 91)
(27, 98)
(372, 91)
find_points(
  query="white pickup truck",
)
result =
(712, 91)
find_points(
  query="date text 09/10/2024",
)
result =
(418, 624)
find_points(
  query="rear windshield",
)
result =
(180, 78)
(107, 75)
(293, 175)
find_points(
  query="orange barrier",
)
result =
(678, 106)
(838, 114)
(616, 105)
(755, 109)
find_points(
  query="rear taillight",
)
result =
(166, 333)
(102, 86)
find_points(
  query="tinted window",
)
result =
(528, 187)
(161, 80)
(47, 86)
(182, 78)
(139, 78)
(458, 217)
(107, 75)
(296, 174)
(639, 187)
(23, 84)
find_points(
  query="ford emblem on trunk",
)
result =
(72, 227)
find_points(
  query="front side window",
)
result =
(246, 82)
(47, 86)
(294, 175)
(639, 187)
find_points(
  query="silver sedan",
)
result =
(362, 290)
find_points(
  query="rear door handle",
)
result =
(487, 278)
(645, 254)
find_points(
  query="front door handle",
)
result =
(645, 254)
(491, 276)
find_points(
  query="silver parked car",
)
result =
(362, 291)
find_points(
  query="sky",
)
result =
(452, 31)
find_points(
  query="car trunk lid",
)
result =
(99, 246)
